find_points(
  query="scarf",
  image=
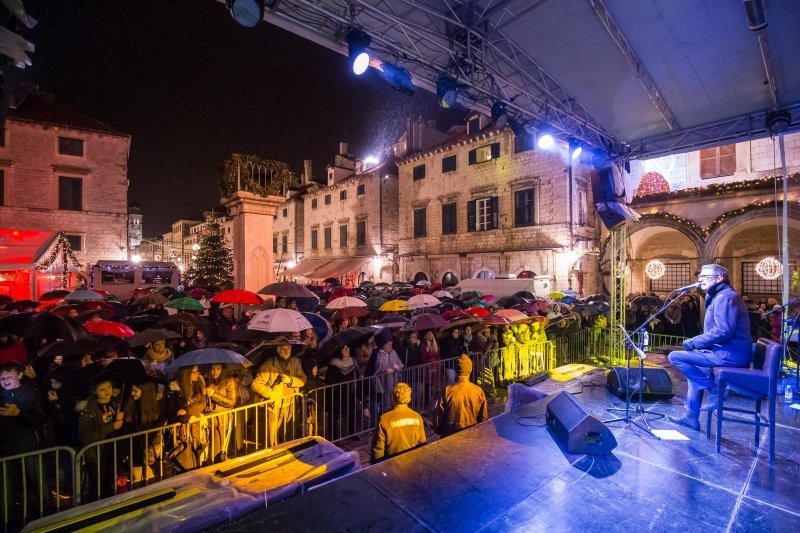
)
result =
(712, 291)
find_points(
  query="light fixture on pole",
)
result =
(357, 44)
(546, 139)
(398, 78)
(575, 148)
(446, 91)
(247, 13)
(500, 115)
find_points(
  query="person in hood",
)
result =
(340, 400)
(21, 411)
(725, 341)
(398, 430)
(463, 403)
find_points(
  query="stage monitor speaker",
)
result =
(608, 191)
(657, 383)
(575, 430)
(615, 215)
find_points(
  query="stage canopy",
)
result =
(22, 248)
(637, 79)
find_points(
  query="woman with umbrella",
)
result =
(222, 392)
(185, 403)
(143, 410)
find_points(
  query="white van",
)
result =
(121, 278)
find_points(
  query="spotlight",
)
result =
(778, 121)
(756, 18)
(518, 129)
(575, 148)
(247, 13)
(546, 140)
(398, 78)
(357, 43)
(499, 114)
(446, 91)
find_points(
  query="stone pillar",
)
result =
(253, 257)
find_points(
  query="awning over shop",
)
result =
(304, 268)
(339, 267)
(22, 247)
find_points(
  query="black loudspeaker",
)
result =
(575, 430)
(657, 383)
(609, 197)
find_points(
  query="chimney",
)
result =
(307, 167)
(343, 149)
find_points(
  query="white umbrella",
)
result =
(279, 321)
(422, 300)
(346, 301)
(442, 294)
(423, 283)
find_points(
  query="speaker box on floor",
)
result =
(657, 383)
(575, 430)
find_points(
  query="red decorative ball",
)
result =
(652, 183)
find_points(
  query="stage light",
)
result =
(357, 43)
(446, 91)
(371, 160)
(546, 141)
(136, 258)
(398, 78)
(500, 115)
(756, 18)
(778, 121)
(247, 13)
(575, 148)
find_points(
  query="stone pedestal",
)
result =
(252, 238)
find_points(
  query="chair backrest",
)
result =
(773, 353)
(760, 353)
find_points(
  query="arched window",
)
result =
(527, 274)
(485, 274)
(362, 277)
(449, 280)
(420, 276)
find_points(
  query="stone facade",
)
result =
(48, 149)
(537, 246)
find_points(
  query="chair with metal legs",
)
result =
(758, 383)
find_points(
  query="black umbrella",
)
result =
(151, 335)
(111, 342)
(52, 327)
(53, 295)
(244, 334)
(351, 337)
(597, 298)
(232, 346)
(449, 304)
(266, 349)
(592, 308)
(306, 305)
(5, 299)
(19, 305)
(332, 281)
(141, 323)
(16, 323)
(648, 301)
(125, 370)
(66, 349)
(524, 294)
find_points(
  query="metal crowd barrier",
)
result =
(519, 361)
(35, 484)
(111, 466)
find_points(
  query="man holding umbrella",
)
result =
(278, 380)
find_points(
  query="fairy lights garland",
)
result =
(719, 189)
(61, 249)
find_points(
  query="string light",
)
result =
(63, 249)
(769, 268)
(720, 189)
(655, 269)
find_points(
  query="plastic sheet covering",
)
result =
(520, 394)
(204, 499)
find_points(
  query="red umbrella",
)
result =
(338, 293)
(105, 327)
(455, 313)
(237, 296)
(496, 320)
(479, 312)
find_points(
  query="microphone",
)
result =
(688, 287)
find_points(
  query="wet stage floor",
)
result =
(509, 474)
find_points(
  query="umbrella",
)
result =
(593, 308)
(16, 323)
(471, 295)
(441, 294)
(479, 312)
(141, 323)
(104, 327)
(232, 346)
(462, 322)
(351, 337)
(178, 321)
(422, 300)
(208, 356)
(527, 308)
(175, 295)
(647, 300)
(425, 321)
(152, 335)
(395, 306)
(332, 281)
(154, 298)
(349, 312)
(57, 294)
(423, 283)
(496, 320)
(278, 321)
(54, 327)
(6, 299)
(186, 304)
(237, 296)
(555, 295)
(109, 342)
(125, 370)
(21, 304)
(287, 289)
(83, 295)
(66, 349)
(338, 292)
(87, 315)
(245, 334)
(455, 313)
(528, 295)
(513, 314)
(570, 292)
(346, 301)
(198, 292)
(447, 305)
(366, 284)
(382, 284)
(306, 305)
(597, 298)
(393, 321)
(322, 328)
(258, 354)
(510, 301)
(375, 302)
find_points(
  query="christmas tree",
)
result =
(213, 264)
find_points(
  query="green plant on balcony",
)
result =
(250, 173)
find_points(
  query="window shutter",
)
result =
(63, 193)
(495, 209)
(472, 156)
(495, 150)
(471, 215)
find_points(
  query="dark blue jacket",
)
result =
(726, 328)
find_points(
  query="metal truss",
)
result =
(618, 253)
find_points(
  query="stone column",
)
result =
(252, 238)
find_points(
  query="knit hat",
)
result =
(464, 365)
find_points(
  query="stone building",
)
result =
(60, 171)
(716, 205)
(486, 204)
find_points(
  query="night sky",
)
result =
(191, 87)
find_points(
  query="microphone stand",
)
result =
(631, 346)
(788, 331)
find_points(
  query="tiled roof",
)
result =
(34, 106)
